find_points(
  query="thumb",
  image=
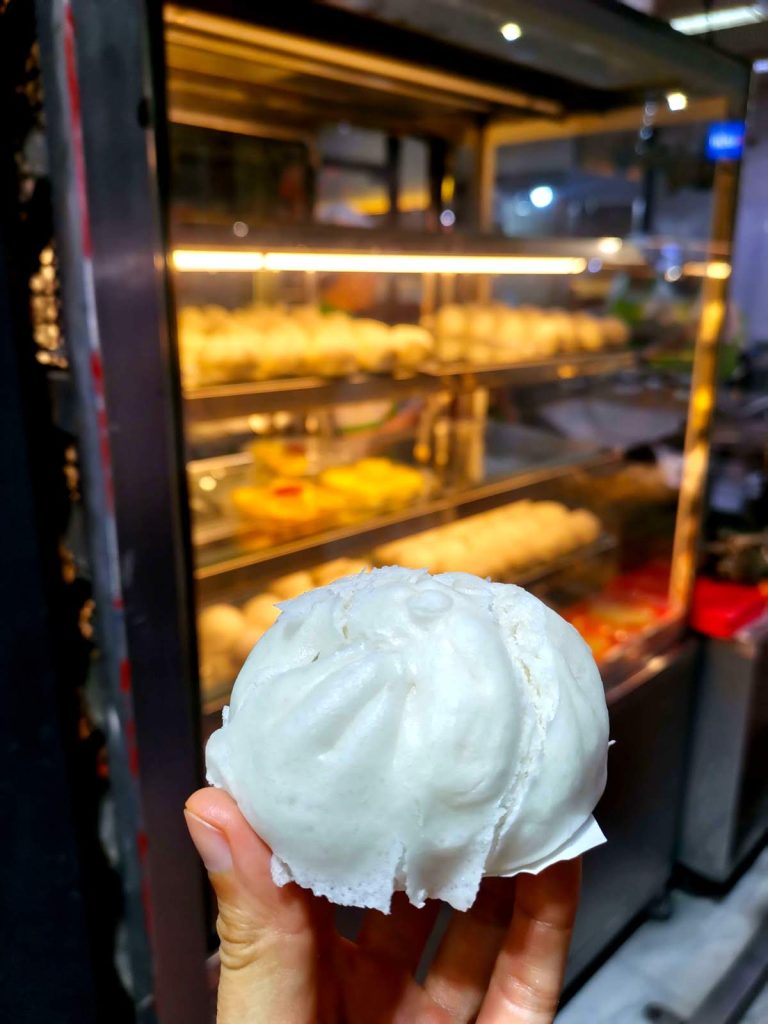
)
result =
(267, 944)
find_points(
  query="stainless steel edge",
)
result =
(103, 158)
(224, 400)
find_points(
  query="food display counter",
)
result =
(302, 347)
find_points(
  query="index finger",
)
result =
(526, 981)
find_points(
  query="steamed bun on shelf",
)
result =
(545, 331)
(566, 331)
(216, 671)
(226, 635)
(589, 332)
(496, 334)
(374, 345)
(615, 331)
(585, 525)
(451, 321)
(260, 612)
(481, 322)
(295, 583)
(219, 631)
(401, 731)
(282, 351)
(412, 345)
(228, 355)
(332, 347)
(336, 569)
(262, 342)
(218, 627)
(242, 647)
(497, 543)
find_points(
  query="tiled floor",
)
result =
(676, 962)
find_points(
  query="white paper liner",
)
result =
(589, 835)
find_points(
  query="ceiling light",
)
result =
(677, 100)
(511, 31)
(718, 21)
(609, 246)
(542, 196)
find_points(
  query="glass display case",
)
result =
(313, 338)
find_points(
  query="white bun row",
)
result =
(498, 544)
(267, 342)
(499, 334)
(226, 633)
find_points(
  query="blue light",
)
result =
(542, 196)
(725, 140)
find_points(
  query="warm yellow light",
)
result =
(212, 260)
(395, 263)
(609, 246)
(677, 101)
(716, 270)
(511, 31)
(719, 271)
(373, 263)
(409, 201)
(702, 401)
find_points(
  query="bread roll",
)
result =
(260, 612)
(332, 346)
(406, 731)
(286, 587)
(218, 628)
(412, 345)
(615, 332)
(588, 332)
(289, 348)
(336, 569)
(374, 345)
(217, 671)
(451, 321)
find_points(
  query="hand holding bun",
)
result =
(397, 730)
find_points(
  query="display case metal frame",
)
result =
(103, 78)
(99, 102)
(711, 319)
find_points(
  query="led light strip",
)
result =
(217, 260)
(718, 21)
(716, 270)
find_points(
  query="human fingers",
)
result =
(400, 935)
(528, 975)
(267, 943)
(375, 990)
(461, 970)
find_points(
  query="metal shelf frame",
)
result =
(222, 401)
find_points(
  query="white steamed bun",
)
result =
(397, 730)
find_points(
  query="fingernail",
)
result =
(210, 843)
